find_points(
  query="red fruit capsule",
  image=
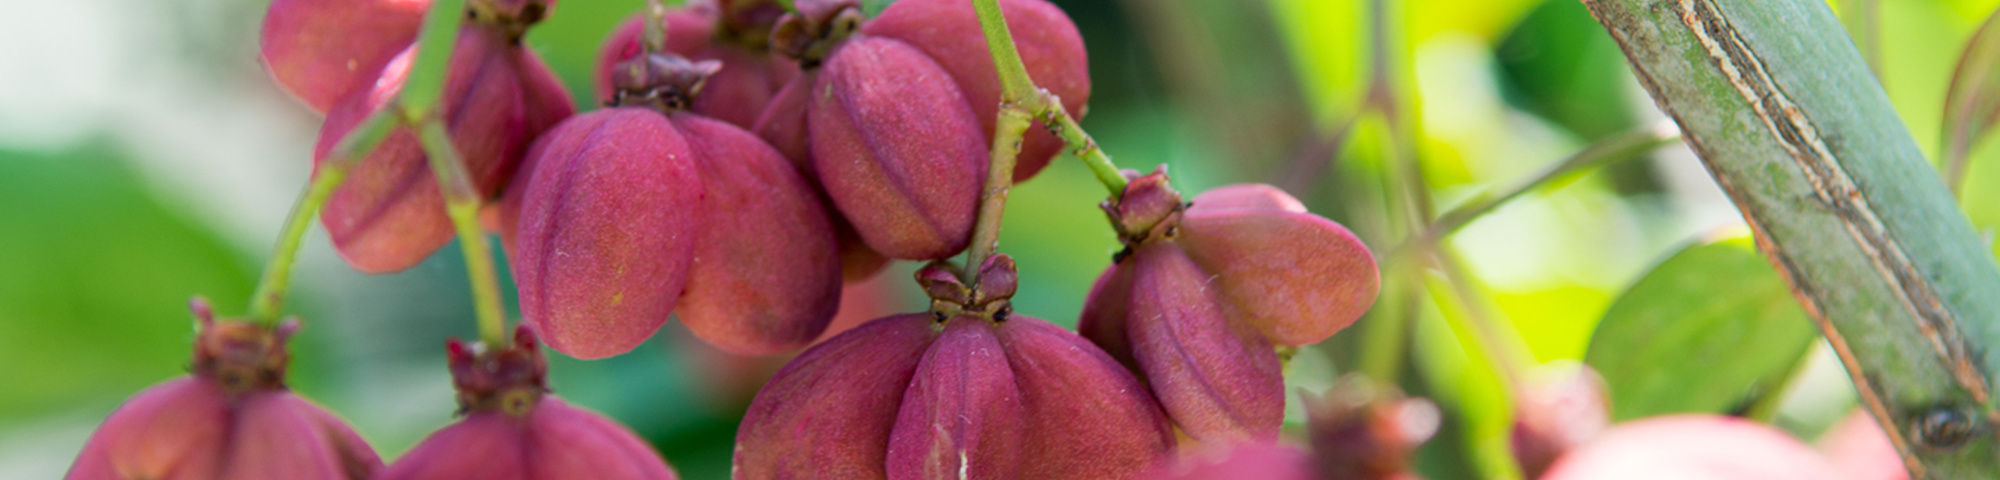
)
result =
(1220, 381)
(897, 149)
(1296, 276)
(513, 429)
(1691, 447)
(389, 214)
(607, 231)
(231, 419)
(948, 31)
(319, 50)
(766, 273)
(981, 394)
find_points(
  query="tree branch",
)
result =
(1782, 110)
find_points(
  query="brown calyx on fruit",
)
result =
(661, 81)
(1148, 210)
(510, 16)
(810, 34)
(240, 355)
(511, 379)
(1366, 430)
(748, 23)
(989, 296)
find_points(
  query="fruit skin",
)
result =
(897, 149)
(389, 215)
(1692, 446)
(1218, 380)
(1264, 461)
(1857, 445)
(513, 429)
(1296, 276)
(607, 231)
(738, 94)
(1561, 406)
(553, 441)
(766, 274)
(319, 50)
(948, 32)
(231, 419)
(831, 412)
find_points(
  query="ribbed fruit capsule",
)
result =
(232, 419)
(513, 429)
(319, 50)
(1219, 380)
(389, 214)
(766, 272)
(607, 231)
(948, 31)
(897, 149)
(1202, 294)
(981, 394)
(1690, 447)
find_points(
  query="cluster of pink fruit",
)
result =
(749, 163)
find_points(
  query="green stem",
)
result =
(267, 304)
(1605, 151)
(656, 26)
(1018, 90)
(1013, 122)
(463, 202)
(425, 86)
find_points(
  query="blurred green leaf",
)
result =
(872, 7)
(1704, 331)
(1558, 64)
(1973, 102)
(95, 276)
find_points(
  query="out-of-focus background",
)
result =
(145, 158)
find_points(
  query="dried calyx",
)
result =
(661, 81)
(747, 23)
(1149, 210)
(811, 33)
(510, 379)
(989, 296)
(511, 16)
(241, 356)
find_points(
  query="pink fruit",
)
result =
(513, 429)
(983, 394)
(389, 214)
(1296, 276)
(1857, 445)
(231, 419)
(1362, 430)
(1560, 407)
(319, 50)
(897, 149)
(1218, 380)
(766, 273)
(1266, 461)
(948, 31)
(607, 231)
(1705, 447)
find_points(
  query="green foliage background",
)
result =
(147, 160)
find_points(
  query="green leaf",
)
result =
(1705, 331)
(1973, 102)
(95, 275)
(1558, 64)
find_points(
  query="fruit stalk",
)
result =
(1019, 91)
(463, 202)
(1013, 123)
(1781, 108)
(425, 87)
(267, 304)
